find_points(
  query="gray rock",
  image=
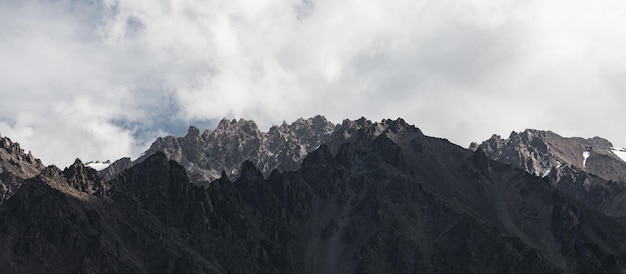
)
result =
(15, 167)
(206, 155)
(585, 169)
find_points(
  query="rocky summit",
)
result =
(588, 170)
(15, 167)
(376, 197)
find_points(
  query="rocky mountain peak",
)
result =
(235, 141)
(193, 132)
(51, 172)
(78, 163)
(16, 151)
(85, 179)
(15, 167)
(539, 151)
(399, 126)
(359, 123)
(235, 125)
(573, 164)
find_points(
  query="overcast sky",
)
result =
(101, 79)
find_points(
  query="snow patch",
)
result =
(619, 152)
(585, 156)
(97, 165)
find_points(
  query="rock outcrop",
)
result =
(15, 167)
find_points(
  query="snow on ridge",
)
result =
(619, 152)
(97, 165)
(585, 156)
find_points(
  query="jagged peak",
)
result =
(6, 143)
(224, 175)
(78, 162)
(14, 149)
(193, 131)
(319, 119)
(50, 171)
(224, 124)
(359, 122)
(247, 125)
(473, 146)
(400, 126)
(321, 155)
(249, 171)
(206, 133)
(530, 133)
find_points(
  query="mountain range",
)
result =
(315, 197)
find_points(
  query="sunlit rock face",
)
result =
(15, 167)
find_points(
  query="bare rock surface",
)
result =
(15, 167)
(588, 170)
(205, 155)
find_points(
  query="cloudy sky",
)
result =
(101, 79)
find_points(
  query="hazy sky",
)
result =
(101, 79)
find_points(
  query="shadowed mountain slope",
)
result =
(387, 199)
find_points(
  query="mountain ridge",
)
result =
(205, 155)
(379, 197)
(587, 169)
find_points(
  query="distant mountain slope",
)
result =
(589, 170)
(387, 199)
(15, 166)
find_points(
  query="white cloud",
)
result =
(101, 79)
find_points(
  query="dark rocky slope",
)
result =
(15, 167)
(587, 170)
(390, 200)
